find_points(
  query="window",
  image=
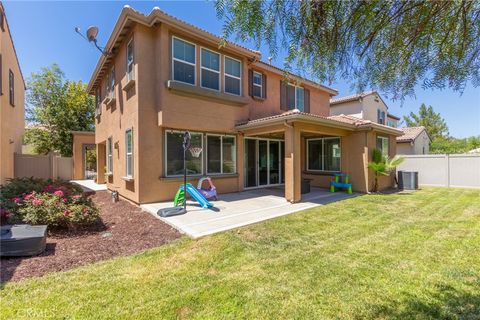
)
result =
(380, 116)
(174, 154)
(183, 61)
(11, 90)
(257, 84)
(233, 76)
(130, 60)
(295, 97)
(98, 102)
(129, 153)
(109, 155)
(392, 123)
(221, 154)
(323, 154)
(111, 84)
(382, 145)
(210, 69)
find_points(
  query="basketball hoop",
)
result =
(195, 151)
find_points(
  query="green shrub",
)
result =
(58, 204)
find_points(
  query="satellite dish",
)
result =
(92, 32)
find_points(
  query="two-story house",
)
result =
(370, 106)
(256, 127)
(365, 105)
(12, 105)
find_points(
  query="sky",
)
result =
(43, 34)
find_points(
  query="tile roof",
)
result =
(410, 133)
(352, 97)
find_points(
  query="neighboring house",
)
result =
(366, 105)
(415, 140)
(165, 76)
(12, 95)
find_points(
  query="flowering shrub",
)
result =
(55, 203)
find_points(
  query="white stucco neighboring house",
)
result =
(414, 141)
(365, 105)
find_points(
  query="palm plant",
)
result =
(382, 165)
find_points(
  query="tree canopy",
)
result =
(385, 45)
(55, 108)
(453, 145)
(432, 121)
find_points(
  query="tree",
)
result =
(432, 121)
(382, 166)
(55, 108)
(386, 45)
(453, 145)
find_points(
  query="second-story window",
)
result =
(111, 84)
(183, 61)
(11, 91)
(257, 85)
(210, 69)
(130, 60)
(98, 102)
(380, 116)
(233, 76)
(295, 97)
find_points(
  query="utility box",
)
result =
(408, 180)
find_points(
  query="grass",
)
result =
(375, 256)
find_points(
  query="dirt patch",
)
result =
(125, 230)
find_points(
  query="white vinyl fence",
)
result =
(43, 166)
(444, 170)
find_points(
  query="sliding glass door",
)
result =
(263, 162)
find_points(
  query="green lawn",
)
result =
(375, 256)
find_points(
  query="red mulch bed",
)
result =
(125, 230)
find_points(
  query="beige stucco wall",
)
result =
(353, 108)
(80, 139)
(421, 145)
(12, 118)
(365, 108)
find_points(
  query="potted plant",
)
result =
(382, 165)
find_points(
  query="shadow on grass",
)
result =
(445, 303)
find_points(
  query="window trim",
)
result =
(256, 84)
(109, 155)
(307, 166)
(211, 70)
(165, 157)
(183, 61)
(131, 175)
(221, 152)
(232, 76)
(11, 87)
(130, 75)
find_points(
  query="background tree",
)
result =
(453, 145)
(433, 122)
(386, 45)
(55, 107)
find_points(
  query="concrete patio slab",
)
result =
(89, 185)
(234, 210)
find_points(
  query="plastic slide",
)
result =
(198, 196)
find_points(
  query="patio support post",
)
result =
(293, 173)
